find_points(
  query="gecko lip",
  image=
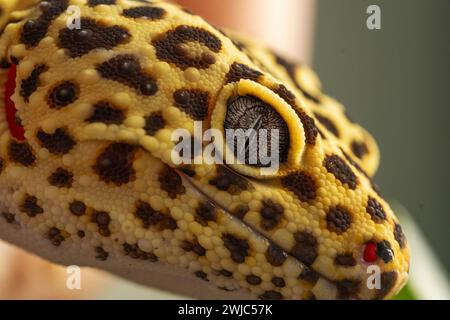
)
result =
(327, 282)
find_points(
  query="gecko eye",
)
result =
(259, 126)
(262, 135)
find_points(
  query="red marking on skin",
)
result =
(17, 131)
(370, 252)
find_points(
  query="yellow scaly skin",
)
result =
(94, 183)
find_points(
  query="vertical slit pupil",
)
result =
(250, 113)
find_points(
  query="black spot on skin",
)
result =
(115, 164)
(202, 275)
(240, 71)
(205, 212)
(169, 47)
(58, 143)
(345, 260)
(102, 219)
(198, 249)
(90, 36)
(55, 236)
(226, 273)
(171, 182)
(399, 235)
(134, 252)
(154, 122)
(9, 217)
(309, 275)
(271, 295)
(291, 69)
(347, 288)
(275, 255)
(271, 214)
(34, 30)
(328, 124)
(21, 153)
(104, 112)
(228, 180)
(278, 282)
(388, 281)
(384, 251)
(253, 280)
(146, 12)
(152, 217)
(81, 234)
(309, 126)
(63, 95)
(61, 178)
(193, 102)
(30, 84)
(376, 210)
(286, 95)
(77, 208)
(102, 255)
(93, 3)
(238, 248)
(126, 70)
(188, 170)
(240, 211)
(301, 184)
(194, 247)
(305, 248)
(30, 206)
(338, 219)
(335, 165)
(359, 149)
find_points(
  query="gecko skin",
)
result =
(87, 177)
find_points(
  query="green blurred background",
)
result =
(396, 82)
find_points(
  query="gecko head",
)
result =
(93, 174)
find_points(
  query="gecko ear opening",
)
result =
(262, 135)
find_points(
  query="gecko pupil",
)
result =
(260, 127)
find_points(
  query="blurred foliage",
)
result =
(405, 294)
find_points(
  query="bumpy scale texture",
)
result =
(92, 181)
